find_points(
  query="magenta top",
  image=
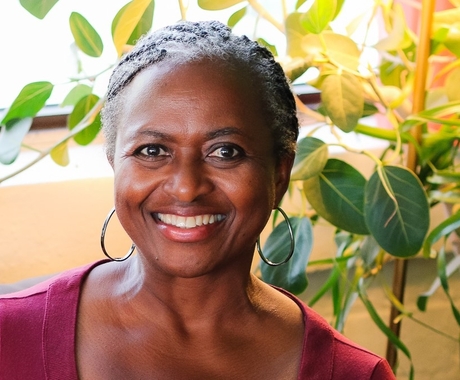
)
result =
(37, 337)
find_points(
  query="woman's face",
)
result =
(195, 174)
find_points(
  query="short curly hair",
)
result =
(188, 41)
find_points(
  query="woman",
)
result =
(201, 131)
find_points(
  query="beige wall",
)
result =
(49, 227)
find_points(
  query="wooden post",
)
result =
(421, 70)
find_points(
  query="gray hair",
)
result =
(188, 41)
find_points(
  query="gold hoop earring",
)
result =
(291, 235)
(104, 229)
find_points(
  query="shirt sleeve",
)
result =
(382, 371)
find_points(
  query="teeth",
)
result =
(189, 221)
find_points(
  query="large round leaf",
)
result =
(79, 112)
(343, 99)
(320, 14)
(310, 159)
(30, 100)
(86, 37)
(342, 50)
(337, 195)
(396, 210)
(292, 275)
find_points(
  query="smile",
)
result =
(189, 221)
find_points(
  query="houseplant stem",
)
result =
(421, 69)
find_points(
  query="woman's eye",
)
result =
(226, 152)
(152, 151)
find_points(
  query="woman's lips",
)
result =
(187, 222)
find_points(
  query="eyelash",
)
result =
(162, 151)
(237, 152)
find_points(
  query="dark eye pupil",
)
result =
(153, 151)
(226, 152)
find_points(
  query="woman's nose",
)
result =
(188, 181)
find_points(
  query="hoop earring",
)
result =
(104, 229)
(291, 235)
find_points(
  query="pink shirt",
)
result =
(37, 337)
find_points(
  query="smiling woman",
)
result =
(201, 130)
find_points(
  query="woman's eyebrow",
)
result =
(223, 132)
(152, 133)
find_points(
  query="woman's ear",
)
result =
(283, 176)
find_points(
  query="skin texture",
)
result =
(192, 140)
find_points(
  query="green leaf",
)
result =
(131, 22)
(81, 109)
(86, 37)
(310, 159)
(75, 94)
(290, 276)
(341, 50)
(444, 229)
(294, 35)
(451, 267)
(269, 46)
(11, 136)
(236, 17)
(334, 276)
(396, 210)
(442, 274)
(217, 5)
(318, 17)
(38, 8)
(343, 99)
(30, 100)
(337, 195)
(384, 328)
(60, 154)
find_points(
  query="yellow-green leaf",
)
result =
(236, 17)
(217, 5)
(75, 94)
(341, 50)
(135, 14)
(38, 8)
(318, 17)
(343, 99)
(268, 45)
(86, 37)
(60, 154)
(30, 100)
(79, 112)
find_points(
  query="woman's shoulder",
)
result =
(330, 355)
(35, 289)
